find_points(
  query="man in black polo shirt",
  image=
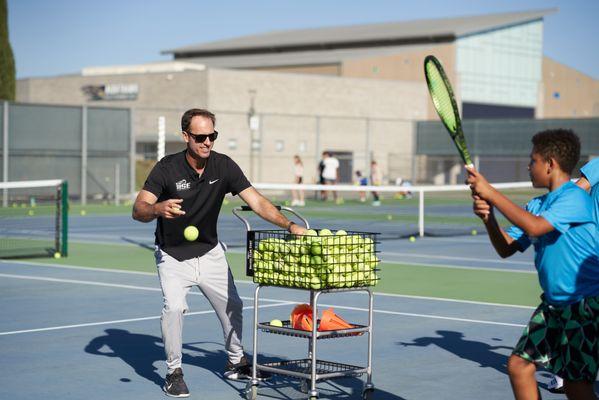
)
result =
(186, 189)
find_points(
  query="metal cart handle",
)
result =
(237, 210)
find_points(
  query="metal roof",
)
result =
(357, 36)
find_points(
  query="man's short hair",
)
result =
(195, 112)
(563, 145)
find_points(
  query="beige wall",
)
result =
(160, 94)
(305, 113)
(334, 70)
(578, 93)
(406, 66)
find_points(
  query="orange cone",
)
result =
(332, 322)
(301, 317)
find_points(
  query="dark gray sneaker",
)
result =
(242, 371)
(174, 385)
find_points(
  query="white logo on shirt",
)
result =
(211, 182)
(183, 185)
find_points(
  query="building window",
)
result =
(279, 145)
(232, 144)
(302, 146)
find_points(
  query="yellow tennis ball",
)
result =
(474, 232)
(412, 239)
(276, 322)
(83, 212)
(57, 255)
(191, 233)
(31, 213)
(389, 217)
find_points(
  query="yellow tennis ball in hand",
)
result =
(191, 233)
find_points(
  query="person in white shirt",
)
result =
(376, 179)
(298, 178)
(329, 172)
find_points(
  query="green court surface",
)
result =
(480, 285)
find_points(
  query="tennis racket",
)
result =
(445, 104)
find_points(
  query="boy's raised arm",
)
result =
(531, 224)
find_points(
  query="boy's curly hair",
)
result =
(563, 145)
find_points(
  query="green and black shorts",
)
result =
(564, 340)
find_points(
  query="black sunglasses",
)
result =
(202, 138)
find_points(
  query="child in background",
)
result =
(563, 331)
(362, 181)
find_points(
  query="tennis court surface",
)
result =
(447, 313)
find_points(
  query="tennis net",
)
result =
(428, 210)
(34, 218)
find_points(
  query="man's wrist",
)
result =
(289, 225)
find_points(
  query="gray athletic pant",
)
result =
(211, 274)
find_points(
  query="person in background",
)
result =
(361, 181)
(297, 195)
(329, 172)
(323, 194)
(376, 179)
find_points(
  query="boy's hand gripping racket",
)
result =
(445, 104)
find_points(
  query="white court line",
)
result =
(105, 284)
(450, 266)
(279, 302)
(248, 282)
(121, 321)
(490, 260)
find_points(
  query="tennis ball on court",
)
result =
(412, 239)
(225, 202)
(277, 323)
(83, 212)
(57, 255)
(31, 213)
(474, 232)
(191, 233)
(389, 217)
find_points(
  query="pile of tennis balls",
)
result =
(316, 260)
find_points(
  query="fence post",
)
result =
(421, 213)
(5, 153)
(117, 183)
(83, 155)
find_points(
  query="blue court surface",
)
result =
(69, 332)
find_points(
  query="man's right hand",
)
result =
(169, 209)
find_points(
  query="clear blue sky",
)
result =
(53, 37)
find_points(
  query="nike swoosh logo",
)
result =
(211, 182)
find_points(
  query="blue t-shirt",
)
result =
(591, 172)
(566, 258)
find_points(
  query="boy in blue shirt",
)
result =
(563, 331)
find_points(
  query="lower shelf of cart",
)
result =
(303, 369)
(287, 330)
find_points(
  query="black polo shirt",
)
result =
(173, 178)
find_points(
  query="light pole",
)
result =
(254, 125)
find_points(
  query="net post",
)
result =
(421, 213)
(5, 152)
(64, 198)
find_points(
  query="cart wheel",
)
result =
(367, 394)
(305, 385)
(251, 391)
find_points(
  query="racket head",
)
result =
(443, 99)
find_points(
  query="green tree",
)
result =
(7, 61)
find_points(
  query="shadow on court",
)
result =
(478, 352)
(141, 352)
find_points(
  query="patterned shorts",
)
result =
(565, 340)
